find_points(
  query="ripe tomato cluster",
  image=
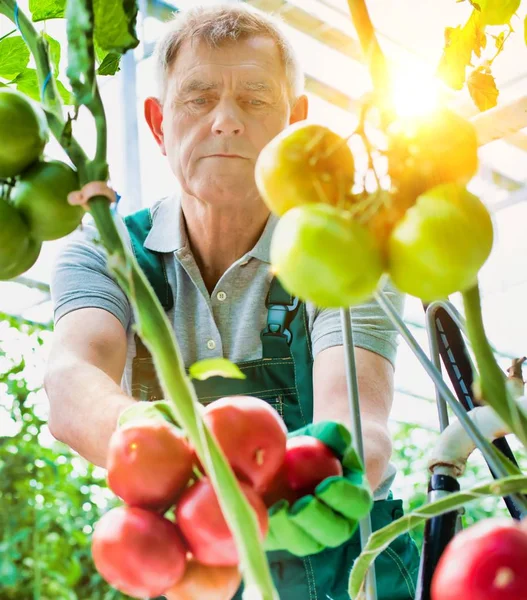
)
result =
(33, 190)
(170, 536)
(421, 226)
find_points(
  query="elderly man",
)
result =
(229, 81)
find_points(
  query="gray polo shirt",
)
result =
(225, 323)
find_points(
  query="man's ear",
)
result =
(154, 118)
(299, 111)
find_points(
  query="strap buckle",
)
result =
(277, 317)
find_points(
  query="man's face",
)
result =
(222, 106)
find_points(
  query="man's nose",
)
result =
(227, 119)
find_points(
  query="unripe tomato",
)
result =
(24, 132)
(18, 251)
(440, 244)
(202, 582)
(149, 464)
(252, 436)
(484, 562)
(138, 552)
(306, 163)
(497, 12)
(203, 525)
(41, 194)
(428, 151)
(321, 255)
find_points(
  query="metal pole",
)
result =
(356, 428)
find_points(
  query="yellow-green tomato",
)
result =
(440, 244)
(321, 255)
(305, 163)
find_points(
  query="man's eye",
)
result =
(199, 101)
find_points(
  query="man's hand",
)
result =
(330, 516)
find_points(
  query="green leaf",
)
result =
(115, 24)
(27, 83)
(54, 53)
(65, 94)
(482, 88)
(81, 60)
(525, 30)
(110, 64)
(46, 9)
(460, 42)
(215, 367)
(14, 57)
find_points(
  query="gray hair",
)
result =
(220, 24)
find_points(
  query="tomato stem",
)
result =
(370, 45)
(492, 380)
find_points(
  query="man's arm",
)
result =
(375, 380)
(82, 381)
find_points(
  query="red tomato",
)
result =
(138, 552)
(251, 434)
(203, 525)
(308, 461)
(484, 562)
(149, 464)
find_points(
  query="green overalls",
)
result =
(283, 377)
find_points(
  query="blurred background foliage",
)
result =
(51, 497)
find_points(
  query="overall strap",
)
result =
(139, 225)
(145, 385)
(281, 309)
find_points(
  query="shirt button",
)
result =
(211, 344)
(221, 296)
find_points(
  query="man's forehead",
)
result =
(254, 52)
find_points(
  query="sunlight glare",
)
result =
(415, 92)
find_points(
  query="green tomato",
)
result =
(24, 132)
(440, 244)
(41, 196)
(321, 255)
(497, 12)
(18, 252)
(305, 163)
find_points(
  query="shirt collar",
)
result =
(169, 234)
